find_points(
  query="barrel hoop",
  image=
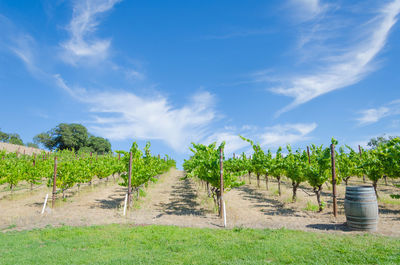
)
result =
(360, 202)
(361, 218)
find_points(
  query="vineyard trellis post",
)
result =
(360, 151)
(221, 167)
(333, 180)
(130, 180)
(53, 199)
(308, 154)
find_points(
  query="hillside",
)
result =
(20, 148)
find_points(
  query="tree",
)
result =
(45, 140)
(99, 145)
(375, 142)
(14, 138)
(72, 137)
(3, 137)
(33, 145)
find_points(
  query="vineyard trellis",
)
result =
(316, 165)
(67, 168)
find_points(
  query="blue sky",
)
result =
(174, 72)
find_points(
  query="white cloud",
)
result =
(124, 115)
(374, 115)
(279, 135)
(84, 22)
(307, 9)
(232, 140)
(344, 67)
(269, 137)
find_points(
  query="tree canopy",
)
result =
(72, 136)
(12, 138)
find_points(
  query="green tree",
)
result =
(72, 137)
(14, 138)
(3, 136)
(32, 145)
(99, 145)
(45, 139)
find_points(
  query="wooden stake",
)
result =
(53, 199)
(126, 202)
(45, 202)
(360, 151)
(334, 180)
(221, 167)
(308, 154)
(129, 180)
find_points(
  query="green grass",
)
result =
(312, 207)
(389, 200)
(124, 244)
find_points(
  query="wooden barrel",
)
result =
(361, 208)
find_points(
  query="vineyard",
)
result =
(314, 165)
(66, 169)
(289, 188)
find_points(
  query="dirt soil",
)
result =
(172, 201)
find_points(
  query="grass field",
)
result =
(124, 244)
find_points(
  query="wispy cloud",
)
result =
(124, 115)
(231, 138)
(374, 115)
(268, 137)
(286, 134)
(84, 22)
(307, 9)
(342, 67)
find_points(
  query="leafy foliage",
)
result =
(72, 137)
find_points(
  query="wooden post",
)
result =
(221, 167)
(53, 200)
(129, 180)
(234, 156)
(333, 180)
(119, 157)
(359, 150)
(34, 160)
(308, 154)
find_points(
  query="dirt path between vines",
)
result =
(172, 201)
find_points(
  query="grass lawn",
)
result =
(124, 244)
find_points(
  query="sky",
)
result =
(174, 72)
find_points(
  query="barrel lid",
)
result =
(363, 187)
